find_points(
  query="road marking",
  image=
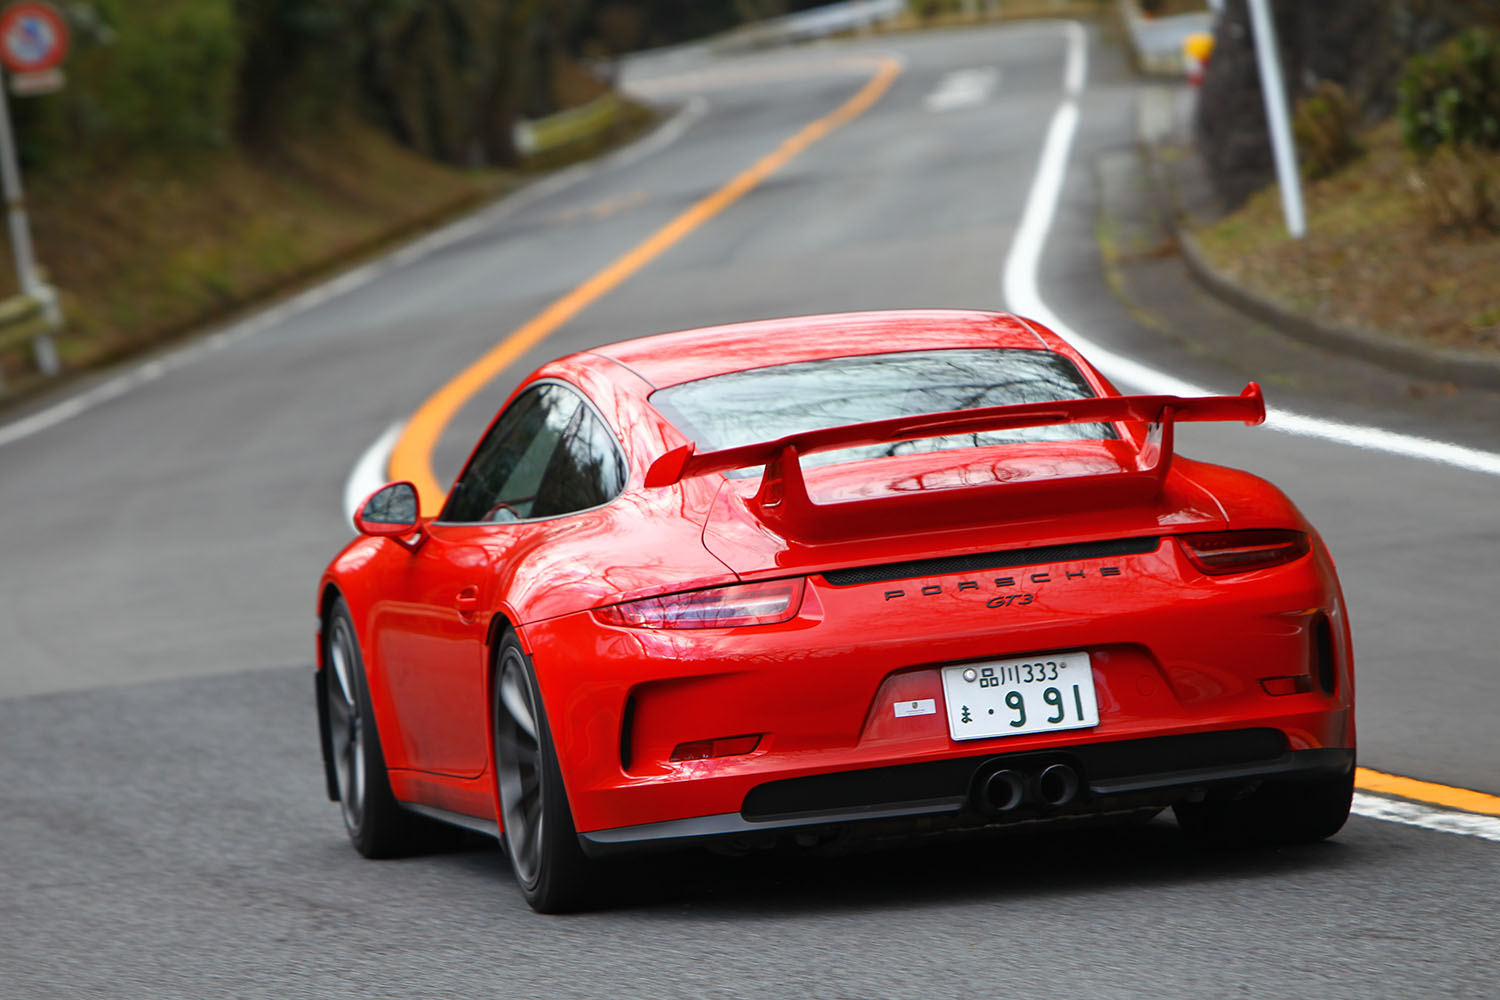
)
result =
(369, 472)
(1414, 814)
(599, 210)
(1426, 791)
(964, 88)
(412, 457)
(146, 372)
(1023, 295)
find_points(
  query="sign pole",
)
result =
(20, 242)
(33, 44)
(1278, 117)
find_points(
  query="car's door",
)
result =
(548, 456)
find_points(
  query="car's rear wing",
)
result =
(783, 502)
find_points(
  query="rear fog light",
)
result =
(727, 746)
(1295, 684)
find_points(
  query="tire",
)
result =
(377, 825)
(539, 836)
(1279, 812)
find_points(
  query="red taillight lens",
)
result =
(721, 607)
(1220, 552)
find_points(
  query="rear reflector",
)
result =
(729, 746)
(1295, 684)
(1220, 552)
(720, 607)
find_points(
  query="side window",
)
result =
(585, 470)
(527, 465)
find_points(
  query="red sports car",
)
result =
(829, 575)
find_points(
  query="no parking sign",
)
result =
(33, 44)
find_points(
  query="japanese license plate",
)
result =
(1039, 694)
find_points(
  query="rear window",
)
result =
(762, 404)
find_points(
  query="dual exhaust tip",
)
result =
(1006, 790)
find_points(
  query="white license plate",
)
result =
(1050, 691)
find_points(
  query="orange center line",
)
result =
(411, 459)
(1427, 791)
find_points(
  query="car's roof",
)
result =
(672, 358)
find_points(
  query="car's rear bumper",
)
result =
(1114, 777)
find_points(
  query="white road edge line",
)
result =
(1023, 295)
(1465, 824)
(149, 371)
(369, 473)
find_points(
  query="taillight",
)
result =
(1220, 552)
(720, 607)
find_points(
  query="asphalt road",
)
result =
(163, 830)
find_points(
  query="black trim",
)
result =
(488, 827)
(982, 561)
(1104, 795)
(1107, 768)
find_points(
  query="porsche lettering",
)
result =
(1000, 582)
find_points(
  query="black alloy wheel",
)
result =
(378, 827)
(550, 867)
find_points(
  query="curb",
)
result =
(1459, 367)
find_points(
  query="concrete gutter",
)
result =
(1436, 363)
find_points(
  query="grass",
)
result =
(1373, 258)
(146, 251)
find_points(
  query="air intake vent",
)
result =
(982, 561)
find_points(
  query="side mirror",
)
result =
(389, 511)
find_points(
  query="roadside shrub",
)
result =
(1451, 96)
(1326, 127)
(155, 77)
(1450, 119)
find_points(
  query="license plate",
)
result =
(1040, 694)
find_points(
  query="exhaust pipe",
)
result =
(1003, 791)
(1057, 785)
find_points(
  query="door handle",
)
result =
(467, 603)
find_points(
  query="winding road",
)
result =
(164, 831)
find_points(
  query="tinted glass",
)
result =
(546, 455)
(763, 404)
(585, 470)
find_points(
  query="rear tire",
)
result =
(1279, 812)
(540, 839)
(377, 825)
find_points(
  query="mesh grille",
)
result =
(982, 561)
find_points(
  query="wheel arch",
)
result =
(501, 625)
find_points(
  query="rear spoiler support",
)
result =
(782, 500)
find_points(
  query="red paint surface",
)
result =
(1174, 650)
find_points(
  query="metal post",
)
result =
(1278, 117)
(20, 241)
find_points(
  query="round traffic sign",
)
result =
(33, 37)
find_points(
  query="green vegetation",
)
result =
(1451, 96)
(1450, 118)
(206, 153)
(1326, 127)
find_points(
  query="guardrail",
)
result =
(543, 135)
